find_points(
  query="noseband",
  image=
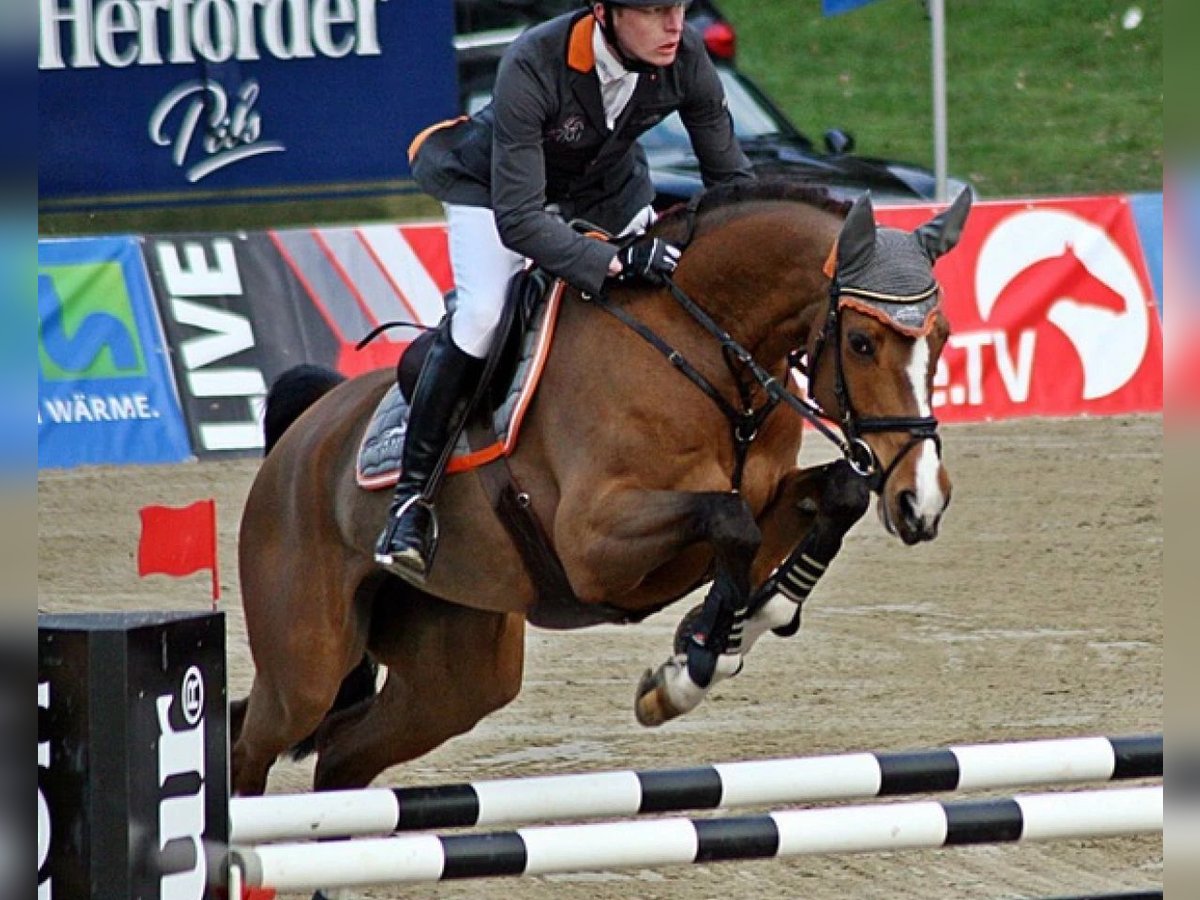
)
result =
(856, 450)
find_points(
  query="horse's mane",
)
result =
(685, 215)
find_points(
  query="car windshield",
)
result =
(750, 119)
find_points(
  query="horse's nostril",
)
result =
(908, 504)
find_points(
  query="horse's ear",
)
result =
(858, 232)
(941, 233)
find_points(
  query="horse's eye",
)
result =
(860, 343)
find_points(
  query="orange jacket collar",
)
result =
(580, 55)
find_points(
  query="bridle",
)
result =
(856, 450)
(746, 421)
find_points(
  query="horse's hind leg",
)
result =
(255, 748)
(448, 667)
(294, 688)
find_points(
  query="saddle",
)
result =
(510, 378)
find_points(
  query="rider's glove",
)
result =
(648, 260)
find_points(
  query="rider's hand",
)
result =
(648, 260)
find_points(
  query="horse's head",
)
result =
(872, 361)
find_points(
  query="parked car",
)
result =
(773, 143)
(776, 146)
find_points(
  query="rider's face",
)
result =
(650, 33)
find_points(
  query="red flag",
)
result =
(179, 541)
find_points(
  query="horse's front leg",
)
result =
(712, 649)
(802, 531)
(633, 548)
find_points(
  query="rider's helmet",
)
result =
(630, 62)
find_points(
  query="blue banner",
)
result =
(105, 393)
(187, 101)
(1148, 214)
(833, 7)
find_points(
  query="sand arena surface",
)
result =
(1037, 613)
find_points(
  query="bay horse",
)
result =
(659, 455)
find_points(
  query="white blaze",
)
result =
(930, 501)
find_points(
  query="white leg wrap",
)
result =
(775, 613)
(682, 693)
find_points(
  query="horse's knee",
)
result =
(729, 524)
(845, 496)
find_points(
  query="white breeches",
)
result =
(482, 267)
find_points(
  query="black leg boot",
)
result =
(440, 405)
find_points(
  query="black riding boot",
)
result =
(439, 406)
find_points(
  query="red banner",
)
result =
(1052, 312)
(1050, 302)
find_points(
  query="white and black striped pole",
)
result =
(762, 783)
(662, 842)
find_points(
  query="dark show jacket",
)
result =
(543, 140)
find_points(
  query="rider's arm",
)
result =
(520, 104)
(705, 114)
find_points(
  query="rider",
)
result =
(557, 142)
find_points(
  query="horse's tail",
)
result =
(356, 687)
(291, 394)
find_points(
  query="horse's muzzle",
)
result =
(911, 517)
(912, 526)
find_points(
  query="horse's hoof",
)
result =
(647, 702)
(651, 705)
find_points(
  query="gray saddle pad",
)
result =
(383, 443)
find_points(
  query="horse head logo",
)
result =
(1090, 289)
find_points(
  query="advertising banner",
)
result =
(178, 101)
(361, 278)
(1052, 310)
(226, 348)
(105, 393)
(241, 309)
(1148, 214)
(1052, 303)
(133, 781)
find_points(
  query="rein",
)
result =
(746, 422)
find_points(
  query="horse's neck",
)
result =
(760, 273)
